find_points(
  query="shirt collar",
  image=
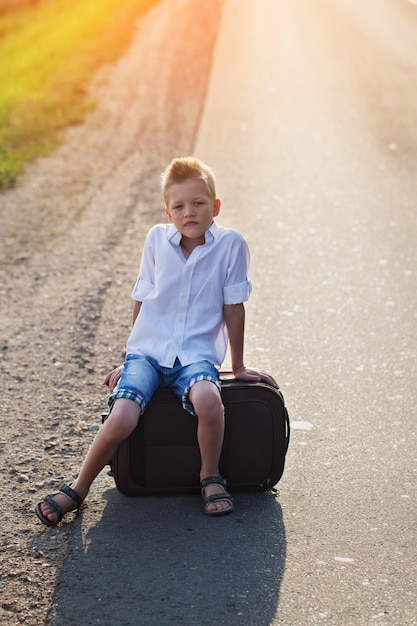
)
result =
(174, 235)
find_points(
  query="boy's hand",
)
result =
(243, 373)
(113, 378)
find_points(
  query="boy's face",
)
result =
(191, 208)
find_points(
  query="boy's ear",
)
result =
(168, 214)
(217, 205)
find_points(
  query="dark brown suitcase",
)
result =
(162, 454)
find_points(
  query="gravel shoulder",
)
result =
(72, 233)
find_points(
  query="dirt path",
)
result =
(71, 241)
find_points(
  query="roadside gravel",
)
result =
(71, 240)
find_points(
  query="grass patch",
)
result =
(49, 50)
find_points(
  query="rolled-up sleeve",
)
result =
(237, 287)
(235, 294)
(146, 279)
(141, 289)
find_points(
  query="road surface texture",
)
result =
(306, 111)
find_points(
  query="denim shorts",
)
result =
(142, 376)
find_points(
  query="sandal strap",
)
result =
(67, 491)
(216, 497)
(212, 480)
(55, 507)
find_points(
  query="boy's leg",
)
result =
(206, 399)
(120, 424)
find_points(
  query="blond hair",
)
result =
(184, 168)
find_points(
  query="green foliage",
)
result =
(11, 164)
(49, 50)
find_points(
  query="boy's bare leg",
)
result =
(119, 425)
(207, 403)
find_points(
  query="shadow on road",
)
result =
(159, 560)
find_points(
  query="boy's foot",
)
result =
(52, 509)
(216, 498)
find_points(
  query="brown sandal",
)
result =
(216, 497)
(67, 491)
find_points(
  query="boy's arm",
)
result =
(234, 316)
(113, 377)
(136, 309)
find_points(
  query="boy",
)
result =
(188, 303)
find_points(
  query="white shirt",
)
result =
(182, 299)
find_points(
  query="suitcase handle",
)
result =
(226, 375)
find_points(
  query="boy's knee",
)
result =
(123, 419)
(206, 400)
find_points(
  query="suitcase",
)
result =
(162, 455)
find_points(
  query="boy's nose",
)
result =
(189, 209)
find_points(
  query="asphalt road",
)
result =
(310, 122)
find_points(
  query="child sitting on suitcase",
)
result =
(188, 303)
